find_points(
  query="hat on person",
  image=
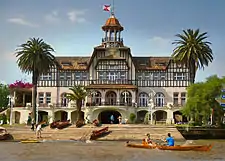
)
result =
(147, 134)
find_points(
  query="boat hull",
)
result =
(140, 146)
(99, 133)
(186, 147)
(195, 133)
(173, 148)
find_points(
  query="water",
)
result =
(101, 151)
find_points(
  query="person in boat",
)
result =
(148, 140)
(170, 140)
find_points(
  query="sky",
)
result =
(73, 28)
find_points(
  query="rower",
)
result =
(148, 140)
(170, 140)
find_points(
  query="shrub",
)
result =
(132, 117)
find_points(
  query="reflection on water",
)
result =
(101, 151)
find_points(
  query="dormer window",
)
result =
(66, 63)
(82, 63)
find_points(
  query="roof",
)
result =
(73, 63)
(141, 63)
(151, 63)
(112, 23)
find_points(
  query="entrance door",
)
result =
(104, 117)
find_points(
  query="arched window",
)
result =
(110, 98)
(64, 100)
(159, 99)
(143, 99)
(126, 98)
(96, 98)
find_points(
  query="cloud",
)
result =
(52, 17)
(160, 45)
(21, 21)
(76, 16)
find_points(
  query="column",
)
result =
(169, 119)
(118, 96)
(133, 92)
(114, 35)
(103, 97)
(69, 115)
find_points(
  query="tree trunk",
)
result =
(79, 112)
(34, 97)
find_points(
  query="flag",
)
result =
(106, 8)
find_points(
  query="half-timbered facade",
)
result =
(119, 83)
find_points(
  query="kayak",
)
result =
(186, 147)
(175, 148)
(144, 146)
(30, 141)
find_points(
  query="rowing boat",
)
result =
(186, 147)
(144, 146)
(175, 148)
(98, 133)
(30, 141)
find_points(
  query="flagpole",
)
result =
(112, 12)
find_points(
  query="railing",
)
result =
(112, 39)
(117, 81)
(110, 104)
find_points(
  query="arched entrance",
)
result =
(160, 115)
(110, 98)
(141, 116)
(104, 116)
(17, 117)
(178, 117)
(42, 116)
(61, 116)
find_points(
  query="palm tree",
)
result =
(193, 50)
(35, 57)
(78, 94)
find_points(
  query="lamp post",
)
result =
(151, 104)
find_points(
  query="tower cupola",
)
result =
(112, 30)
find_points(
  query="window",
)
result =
(139, 76)
(179, 76)
(68, 76)
(40, 98)
(143, 99)
(78, 76)
(48, 97)
(162, 76)
(62, 76)
(96, 98)
(64, 100)
(46, 77)
(175, 98)
(183, 98)
(159, 99)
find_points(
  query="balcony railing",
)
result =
(116, 81)
(110, 104)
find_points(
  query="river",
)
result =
(101, 151)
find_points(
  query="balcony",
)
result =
(109, 104)
(116, 81)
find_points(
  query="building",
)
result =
(119, 83)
